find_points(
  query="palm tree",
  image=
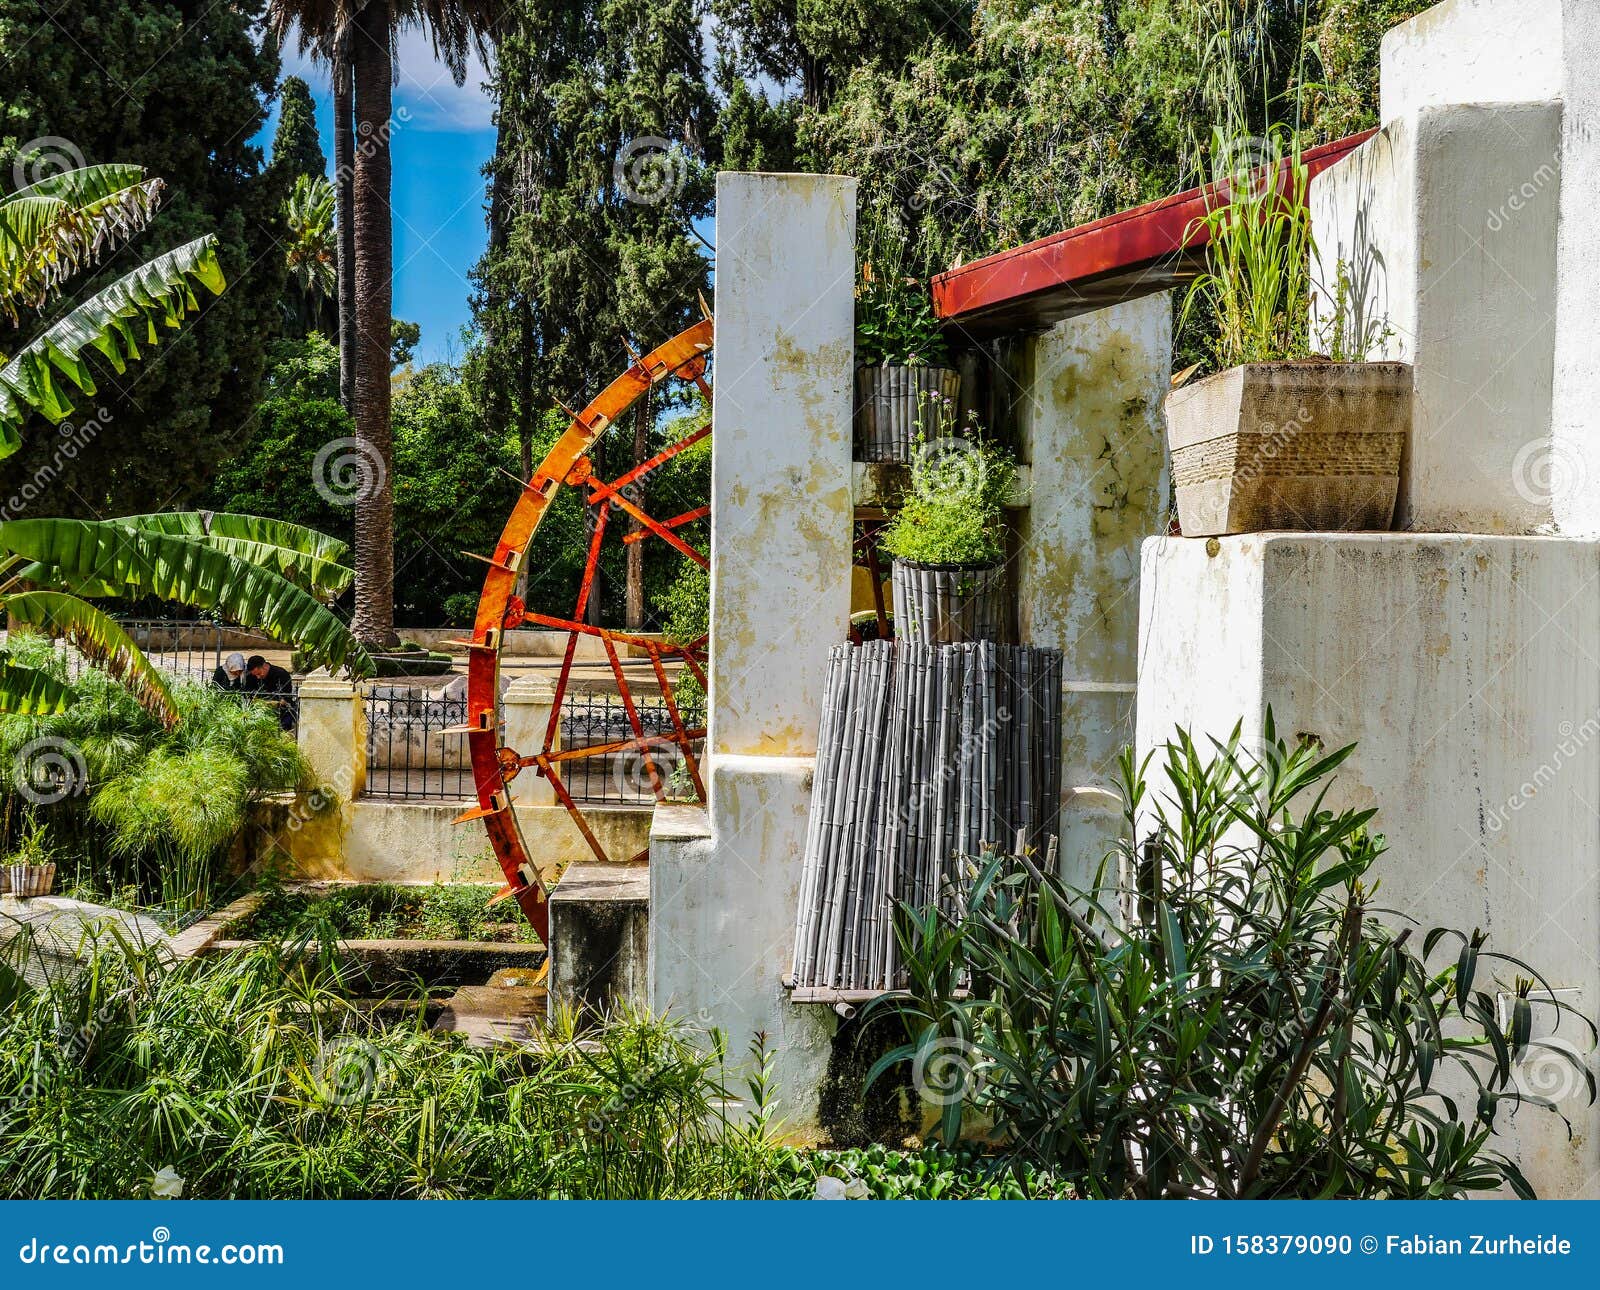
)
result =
(362, 33)
(313, 251)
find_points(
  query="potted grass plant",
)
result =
(1283, 437)
(948, 540)
(901, 360)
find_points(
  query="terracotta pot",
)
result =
(1303, 446)
(31, 879)
(950, 604)
(889, 403)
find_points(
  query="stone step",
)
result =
(599, 937)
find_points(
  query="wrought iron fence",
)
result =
(623, 778)
(409, 755)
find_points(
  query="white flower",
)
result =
(166, 1185)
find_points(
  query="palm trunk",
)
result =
(373, 621)
(343, 182)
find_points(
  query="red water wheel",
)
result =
(617, 515)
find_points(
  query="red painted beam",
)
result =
(1119, 246)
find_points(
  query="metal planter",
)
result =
(950, 604)
(889, 404)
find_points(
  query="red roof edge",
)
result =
(1124, 242)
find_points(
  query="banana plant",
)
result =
(265, 574)
(50, 231)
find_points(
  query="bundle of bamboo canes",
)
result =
(926, 753)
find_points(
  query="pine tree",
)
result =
(296, 147)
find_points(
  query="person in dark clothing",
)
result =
(230, 674)
(272, 684)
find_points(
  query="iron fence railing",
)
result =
(409, 755)
(593, 719)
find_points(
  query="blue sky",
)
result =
(442, 137)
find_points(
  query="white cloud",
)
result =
(425, 89)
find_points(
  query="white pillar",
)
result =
(1419, 214)
(1094, 439)
(1461, 669)
(723, 883)
(527, 703)
(332, 733)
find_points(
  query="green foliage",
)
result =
(1235, 1017)
(296, 147)
(257, 1076)
(1256, 289)
(955, 511)
(154, 808)
(385, 911)
(895, 323)
(312, 256)
(931, 1173)
(189, 82)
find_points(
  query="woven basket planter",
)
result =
(889, 403)
(950, 604)
(1300, 446)
(31, 879)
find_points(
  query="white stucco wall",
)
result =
(1422, 216)
(1502, 51)
(1463, 669)
(723, 881)
(1093, 436)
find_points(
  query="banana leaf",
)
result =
(187, 570)
(54, 366)
(307, 558)
(28, 692)
(98, 638)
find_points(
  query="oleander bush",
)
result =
(1229, 1012)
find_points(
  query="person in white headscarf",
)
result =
(230, 673)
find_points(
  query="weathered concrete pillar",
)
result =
(1466, 289)
(333, 733)
(527, 703)
(723, 882)
(1460, 667)
(1093, 437)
